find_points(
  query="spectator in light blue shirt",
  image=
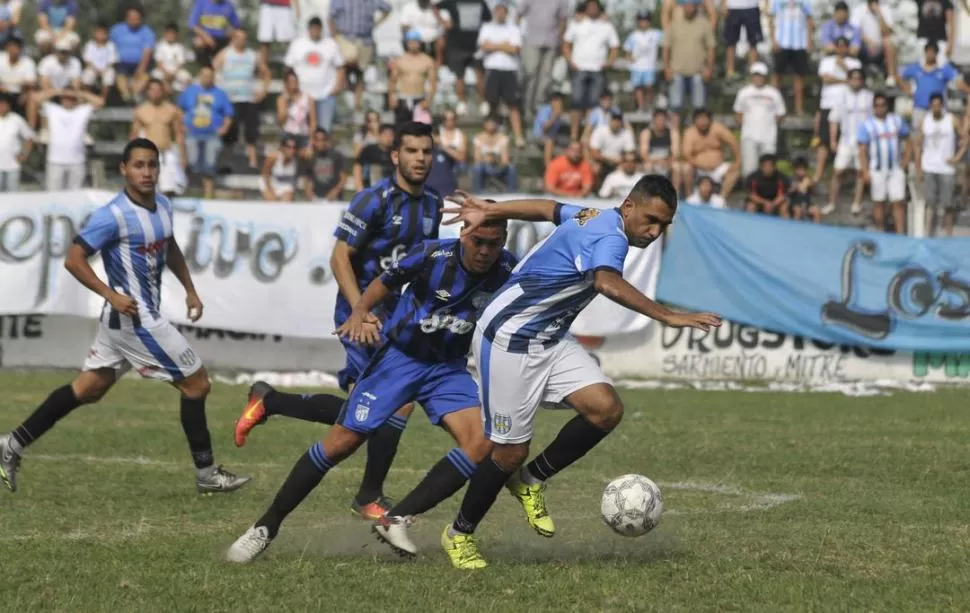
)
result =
(208, 116)
(135, 42)
(839, 27)
(930, 78)
(56, 21)
(212, 22)
(549, 126)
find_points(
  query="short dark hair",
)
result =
(701, 112)
(767, 157)
(931, 45)
(15, 40)
(854, 72)
(495, 223)
(314, 22)
(557, 94)
(799, 162)
(705, 178)
(101, 25)
(154, 81)
(936, 96)
(411, 128)
(655, 186)
(879, 96)
(172, 27)
(660, 112)
(134, 7)
(841, 6)
(321, 130)
(384, 127)
(842, 40)
(138, 143)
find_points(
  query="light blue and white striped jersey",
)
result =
(791, 23)
(885, 140)
(133, 242)
(554, 282)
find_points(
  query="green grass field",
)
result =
(775, 502)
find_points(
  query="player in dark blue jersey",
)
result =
(381, 224)
(424, 359)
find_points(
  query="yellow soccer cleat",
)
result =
(462, 550)
(533, 499)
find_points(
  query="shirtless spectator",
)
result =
(160, 121)
(569, 175)
(413, 80)
(704, 144)
(660, 148)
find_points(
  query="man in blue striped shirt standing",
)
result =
(133, 234)
(379, 227)
(884, 154)
(792, 37)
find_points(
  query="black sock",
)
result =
(60, 402)
(576, 438)
(445, 478)
(381, 449)
(319, 408)
(306, 475)
(192, 411)
(483, 489)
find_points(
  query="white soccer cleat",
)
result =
(248, 546)
(393, 532)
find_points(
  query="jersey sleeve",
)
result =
(407, 268)
(608, 253)
(360, 219)
(862, 135)
(565, 212)
(100, 231)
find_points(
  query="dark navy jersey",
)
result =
(382, 223)
(436, 315)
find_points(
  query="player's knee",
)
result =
(477, 449)
(510, 457)
(607, 416)
(197, 386)
(405, 411)
(90, 387)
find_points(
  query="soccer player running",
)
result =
(425, 360)
(133, 233)
(382, 223)
(525, 355)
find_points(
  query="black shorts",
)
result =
(824, 131)
(205, 55)
(791, 61)
(404, 111)
(502, 86)
(800, 200)
(878, 60)
(458, 61)
(246, 120)
(749, 19)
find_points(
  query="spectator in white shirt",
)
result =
(426, 20)
(501, 42)
(320, 67)
(875, 21)
(643, 47)
(100, 55)
(18, 74)
(16, 140)
(590, 45)
(67, 127)
(618, 183)
(704, 194)
(834, 70)
(608, 143)
(170, 60)
(758, 107)
(60, 70)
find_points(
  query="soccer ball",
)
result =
(632, 505)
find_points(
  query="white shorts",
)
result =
(846, 156)
(512, 385)
(157, 351)
(887, 185)
(717, 175)
(180, 80)
(90, 77)
(276, 24)
(171, 175)
(280, 189)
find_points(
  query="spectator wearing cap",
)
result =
(746, 15)
(100, 57)
(590, 45)
(10, 12)
(413, 80)
(643, 50)
(18, 74)
(608, 143)
(67, 128)
(463, 19)
(16, 141)
(767, 189)
(60, 70)
(501, 41)
(875, 23)
(569, 175)
(839, 27)
(425, 19)
(319, 65)
(929, 77)
(792, 37)
(688, 53)
(277, 183)
(208, 115)
(547, 22)
(550, 125)
(706, 195)
(759, 108)
(212, 22)
(491, 157)
(351, 24)
(621, 181)
(56, 22)
(935, 25)
(238, 68)
(834, 71)
(135, 42)
(704, 143)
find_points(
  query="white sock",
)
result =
(15, 445)
(528, 478)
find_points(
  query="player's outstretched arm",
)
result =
(76, 263)
(619, 290)
(176, 263)
(474, 211)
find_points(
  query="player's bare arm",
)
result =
(176, 263)
(362, 326)
(76, 262)
(610, 284)
(343, 272)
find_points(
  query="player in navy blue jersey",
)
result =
(424, 359)
(133, 234)
(381, 224)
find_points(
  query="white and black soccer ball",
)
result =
(632, 505)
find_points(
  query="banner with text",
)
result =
(260, 268)
(835, 284)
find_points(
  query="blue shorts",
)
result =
(392, 379)
(358, 357)
(643, 78)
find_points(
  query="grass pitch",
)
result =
(775, 502)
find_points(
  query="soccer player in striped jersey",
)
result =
(525, 355)
(423, 360)
(133, 234)
(382, 224)
(884, 151)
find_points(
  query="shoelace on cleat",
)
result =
(538, 502)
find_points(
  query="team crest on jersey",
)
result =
(187, 357)
(428, 225)
(502, 424)
(361, 412)
(480, 298)
(585, 215)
